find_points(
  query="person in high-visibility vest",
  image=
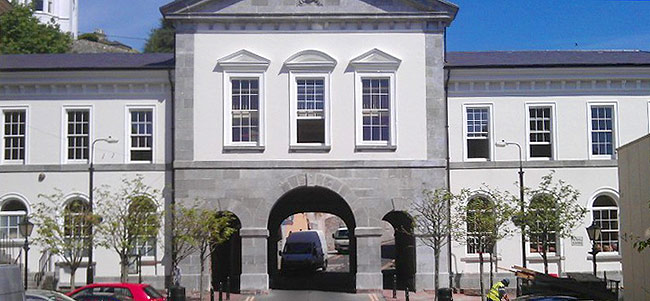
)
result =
(498, 291)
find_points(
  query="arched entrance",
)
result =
(401, 252)
(226, 259)
(310, 199)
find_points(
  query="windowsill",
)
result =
(149, 260)
(309, 148)
(540, 159)
(375, 148)
(477, 160)
(606, 257)
(474, 258)
(11, 162)
(243, 149)
(139, 162)
(552, 257)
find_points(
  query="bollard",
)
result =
(211, 293)
(220, 291)
(394, 286)
(228, 288)
(406, 293)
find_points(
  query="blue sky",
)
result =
(480, 24)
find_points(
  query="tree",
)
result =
(197, 229)
(22, 33)
(210, 229)
(161, 39)
(130, 218)
(486, 219)
(66, 235)
(552, 213)
(434, 224)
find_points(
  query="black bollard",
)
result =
(406, 293)
(211, 293)
(228, 288)
(220, 291)
(394, 286)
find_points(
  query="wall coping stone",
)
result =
(368, 231)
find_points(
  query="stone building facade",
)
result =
(266, 178)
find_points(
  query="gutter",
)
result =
(172, 185)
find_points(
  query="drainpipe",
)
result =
(446, 87)
(172, 185)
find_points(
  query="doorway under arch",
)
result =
(401, 252)
(310, 199)
(226, 259)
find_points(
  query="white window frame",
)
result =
(293, 106)
(615, 132)
(539, 105)
(10, 197)
(227, 110)
(127, 132)
(64, 133)
(4, 109)
(361, 144)
(614, 196)
(490, 107)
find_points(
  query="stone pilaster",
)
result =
(254, 277)
(368, 258)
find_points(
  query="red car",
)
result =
(133, 291)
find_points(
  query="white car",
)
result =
(341, 240)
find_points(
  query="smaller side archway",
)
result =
(401, 252)
(226, 258)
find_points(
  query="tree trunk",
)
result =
(436, 275)
(544, 254)
(480, 272)
(202, 259)
(491, 271)
(73, 271)
(124, 267)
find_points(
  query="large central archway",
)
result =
(310, 199)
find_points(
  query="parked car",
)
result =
(341, 240)
(103, 298)
(134, 291)
(43, 295)
(304, 250)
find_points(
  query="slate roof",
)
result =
(548, 58)
(455, 60)
(86, 61)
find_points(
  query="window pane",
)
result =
(602, 139)
(478, 148)
(311, 131)
(376, 109)
(245, 106)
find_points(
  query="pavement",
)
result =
(386, 295)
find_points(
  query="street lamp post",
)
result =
(504, 143)
(90, 271)
(594, 234)
(25, 227)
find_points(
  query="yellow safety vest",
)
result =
(493, 294)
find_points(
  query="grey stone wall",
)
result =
(251, 193)
(11, 283)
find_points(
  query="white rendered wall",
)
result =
(109, 95)
(508, 93)
(343, 47)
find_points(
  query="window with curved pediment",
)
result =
(309, 84)
(375, 100)
(243, 100)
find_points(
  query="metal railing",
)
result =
(44, 266)
(7, 249)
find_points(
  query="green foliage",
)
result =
(22, 33)
(67, 236)
(130, 216)
(161, 39)
(197, 229)
(553, 210)
(486, 216)
(90, 36)
(433, 222)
